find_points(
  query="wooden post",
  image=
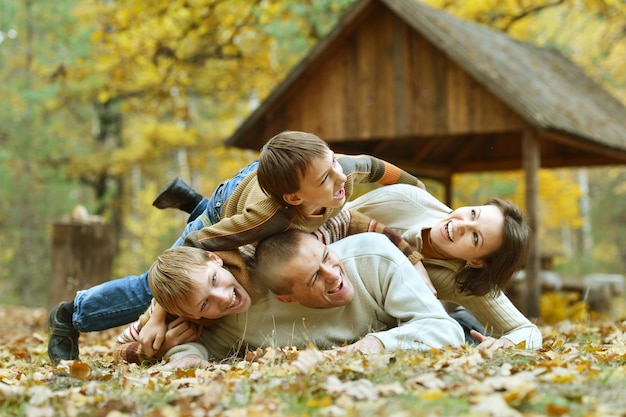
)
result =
(447, 184)
(531, 159)
(82, 255)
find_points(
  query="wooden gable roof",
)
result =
(435, 95)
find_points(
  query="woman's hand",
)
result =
(491, 343)
(369, 344)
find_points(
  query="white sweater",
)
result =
(391, 302)
(408, 210)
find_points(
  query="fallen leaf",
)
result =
(494, 405)
(79, 370)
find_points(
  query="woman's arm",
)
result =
(497, 313)
(350, 222)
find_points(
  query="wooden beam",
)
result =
(424, 151)
(496, 165)
(424, 170)
(546, 162)
(584, 144)
(531, 157)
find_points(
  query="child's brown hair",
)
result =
(285, 159)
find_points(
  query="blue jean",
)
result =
(121, 301)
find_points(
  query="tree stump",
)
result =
(83, 248)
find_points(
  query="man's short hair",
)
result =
(273, 252)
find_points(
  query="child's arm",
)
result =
(350, 222)
(129, 349)
(179, 331)
(127, 346)
(261, 217)
(368, 169)
(153, 331)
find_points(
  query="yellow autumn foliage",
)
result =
(589, 32)
(183, 74)
(559, 198)
(560, 306)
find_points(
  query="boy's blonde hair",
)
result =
(285, 159)
(169, 276)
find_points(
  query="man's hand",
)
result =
(491, 343)
(153, 332)
(419, 267)
(369, 344)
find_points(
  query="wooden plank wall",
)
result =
(384, 80)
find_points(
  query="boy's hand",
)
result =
(178, 332)
(153, 332)
(419, 267)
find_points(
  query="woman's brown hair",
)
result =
(503, 263)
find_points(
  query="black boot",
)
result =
(62, 336)
(178, 194)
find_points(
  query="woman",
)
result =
(470, 254)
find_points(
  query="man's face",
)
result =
(218, 293)
(319, 280)
(321, 186)
(470, 233)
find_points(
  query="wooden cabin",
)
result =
(437, 95)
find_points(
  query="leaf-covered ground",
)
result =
(580, 371)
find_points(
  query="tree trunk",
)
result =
(82, 256)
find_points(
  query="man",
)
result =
(359, 293)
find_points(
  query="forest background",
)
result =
(105, 101)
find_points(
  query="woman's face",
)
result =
(470, 233)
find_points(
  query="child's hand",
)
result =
(178, 332)
(153, 332)
(419, 267)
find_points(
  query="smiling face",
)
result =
(321, 186)
(469, 233)
(217, 292)
(318, 277)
